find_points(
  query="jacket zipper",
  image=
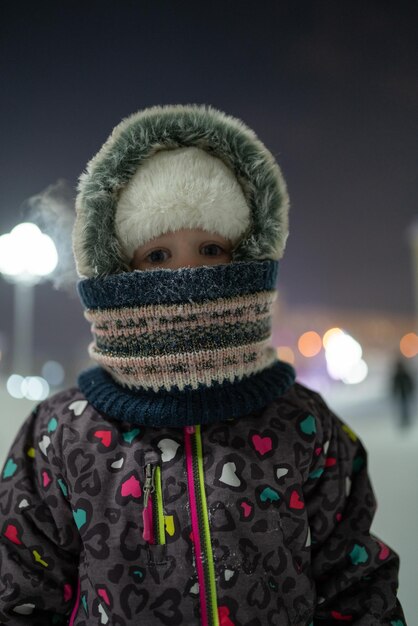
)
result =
(200, 527)
(153, 514)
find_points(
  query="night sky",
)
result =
(330, 87)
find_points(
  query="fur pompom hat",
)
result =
(180, 188)
(172, 167)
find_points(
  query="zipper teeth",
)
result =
(201, 515)
(149, 511)
(202, 540)
(152, 516)
(195, 530)
(206, 530)
(154, 506)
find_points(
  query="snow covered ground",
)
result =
(393, 463)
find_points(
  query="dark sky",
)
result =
(330, 87)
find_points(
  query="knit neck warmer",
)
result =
(186, 346)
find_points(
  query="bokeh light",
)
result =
(53, 372)
(286, 354)
(32, 387)
(27, 254)
(331, 333)
(343, 354)
(35, 388)
(310, 344)
(357, 374)
(14, 386)
(409, 345)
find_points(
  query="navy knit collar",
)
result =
(190, 406)
(181, 407)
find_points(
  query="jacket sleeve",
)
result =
(39, 542)
(355, 574)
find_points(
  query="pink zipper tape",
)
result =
(147, 520)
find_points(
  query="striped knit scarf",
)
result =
(181, 334)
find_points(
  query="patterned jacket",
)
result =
(263, 520)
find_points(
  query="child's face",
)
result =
(183, 248)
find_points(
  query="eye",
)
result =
(157, 256)
(212, 249)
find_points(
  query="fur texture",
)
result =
(97, 249)
(182, 188)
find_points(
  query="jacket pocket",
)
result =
(153, 508)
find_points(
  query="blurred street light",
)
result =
(27, 256)
(54, 373)
(331, 333)
(310, 344)
(285, 353)
(31, 387)
(409, 345)
(343, 355)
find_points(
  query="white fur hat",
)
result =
(141, 140)
(180, 188)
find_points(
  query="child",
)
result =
(188, 479)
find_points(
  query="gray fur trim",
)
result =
(96, 247)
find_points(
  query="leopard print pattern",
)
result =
(289, 504)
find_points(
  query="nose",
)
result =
(188, 259)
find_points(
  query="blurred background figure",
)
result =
(403, 388)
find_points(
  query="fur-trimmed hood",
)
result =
(97, 249)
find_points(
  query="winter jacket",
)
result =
(200, 485)
(106, 522)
